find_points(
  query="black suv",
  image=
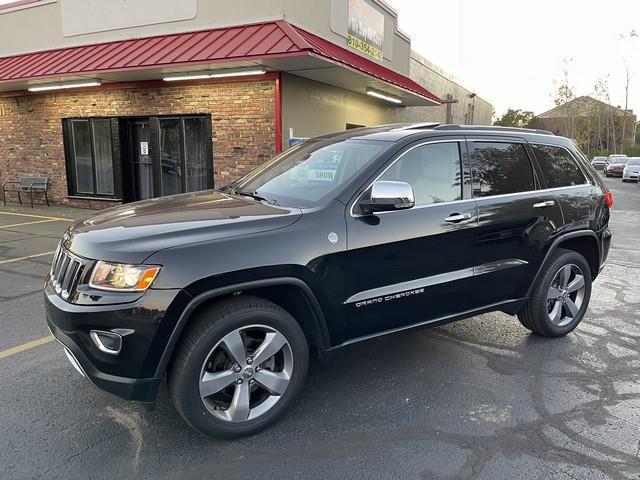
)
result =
(340, 239)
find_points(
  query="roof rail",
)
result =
(416, 126)
(490, 128)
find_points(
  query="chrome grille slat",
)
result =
(56, 263)
(66, 270)
(61, 273)
(69, 275)
(76, 279)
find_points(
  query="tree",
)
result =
(563, 96)
(516, 118)
(631, 38)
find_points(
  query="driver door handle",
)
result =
(457, 217)
(548, 203)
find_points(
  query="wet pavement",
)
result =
(482, 398)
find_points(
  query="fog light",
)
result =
(107, 342)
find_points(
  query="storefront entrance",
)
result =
(135, 158)
(168, 155)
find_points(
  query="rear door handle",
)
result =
(457, 217)
(548, 203)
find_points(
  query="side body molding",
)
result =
(319, 321)
(553, 248)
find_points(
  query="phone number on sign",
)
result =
(364, 47)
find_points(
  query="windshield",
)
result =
(634, 161)
(308, 173)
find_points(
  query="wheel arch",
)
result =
(290, 293)
(583, 242)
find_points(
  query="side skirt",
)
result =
(506, 306)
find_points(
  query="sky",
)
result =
(511, 51)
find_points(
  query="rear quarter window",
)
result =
(559, 168)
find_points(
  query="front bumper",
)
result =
(143, 390)
(132, 373)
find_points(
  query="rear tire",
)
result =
(561, 296)
(231, 353)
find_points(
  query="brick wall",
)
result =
(242, 116)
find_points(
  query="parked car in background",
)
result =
(631, 171)
(616, 165)
(599, 163)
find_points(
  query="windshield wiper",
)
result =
(255, 195)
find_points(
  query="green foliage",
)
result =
(516, 118)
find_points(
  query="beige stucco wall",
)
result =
(55, 24)
(443, 84)
(313, 108)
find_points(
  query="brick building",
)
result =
(167, 97)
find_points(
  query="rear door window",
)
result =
(559, 168)
(501, 168)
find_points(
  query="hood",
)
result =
(131, 232)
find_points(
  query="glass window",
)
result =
(103, 159)
(195, 135)
(309, 172)
(559, 168)
(90, 158)
(82, 156)
(501, 168)
(434, 171)
(171, 156)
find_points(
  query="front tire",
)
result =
(239, 367)
(561, 297)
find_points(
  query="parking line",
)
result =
(37, 216)
(27, 257)
(26, 346)
(26, 223)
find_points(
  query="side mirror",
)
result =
(388, 196)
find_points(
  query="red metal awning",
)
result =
(248, 43)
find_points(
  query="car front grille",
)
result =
(66, 271)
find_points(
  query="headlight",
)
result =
(122, 278)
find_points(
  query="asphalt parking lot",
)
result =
(481, 398)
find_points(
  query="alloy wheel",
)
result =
(565, 295)
(246, 373)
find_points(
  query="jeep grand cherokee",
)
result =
(338, 240)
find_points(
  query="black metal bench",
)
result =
(28, 185)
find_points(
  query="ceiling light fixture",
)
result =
(215, 74)
(384, 96)
(61, 86)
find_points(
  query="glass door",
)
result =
(170, 155)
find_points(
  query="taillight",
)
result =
(608, 199)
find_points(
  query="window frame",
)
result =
(537, 183)
(467, 194)
(70, 158)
